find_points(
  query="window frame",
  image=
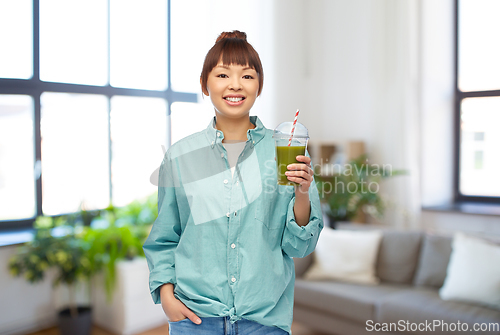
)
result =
(459, 97)
(34, 87)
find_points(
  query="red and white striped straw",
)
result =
(293, 126)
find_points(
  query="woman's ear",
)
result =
(204, 90)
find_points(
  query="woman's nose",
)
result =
(235, 84)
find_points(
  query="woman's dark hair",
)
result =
(232, 48)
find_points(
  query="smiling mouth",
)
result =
(234, 99)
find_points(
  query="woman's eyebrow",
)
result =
(227, 67)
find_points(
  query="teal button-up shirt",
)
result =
(226, 243)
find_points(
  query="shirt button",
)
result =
(218, 134)
(253, 142)
(233, 245)
(222, 155)
(233, 279)
(225, 181)
(228, 214)
(237, 182)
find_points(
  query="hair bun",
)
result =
(233, 34)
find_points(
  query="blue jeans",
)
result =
(221, 326)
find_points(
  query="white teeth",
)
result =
(234, 99)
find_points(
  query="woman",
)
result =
(220, 250)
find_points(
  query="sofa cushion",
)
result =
(352, 301)
(398, 256)
(421, 304)
(434, 257)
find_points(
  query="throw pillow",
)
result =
(473, 273)
(346, 255)
(433, 261)
(398, 256)
(398, 253)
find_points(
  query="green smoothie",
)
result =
(286, 155)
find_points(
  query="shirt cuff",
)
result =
(156, 281)
(303, 232)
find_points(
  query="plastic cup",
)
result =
(285, 154)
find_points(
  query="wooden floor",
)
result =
(297, 329)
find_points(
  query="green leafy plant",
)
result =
(55, 245)
(139, 212)
(83, 244)
(118, 233)
(108, 246)
(353, 187)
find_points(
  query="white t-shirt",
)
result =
(233, 149)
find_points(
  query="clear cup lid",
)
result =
(284, 130)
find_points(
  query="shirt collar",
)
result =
(254, 135)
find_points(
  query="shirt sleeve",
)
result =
(162, 241)
(300, 241)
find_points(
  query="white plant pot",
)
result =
(131, 309)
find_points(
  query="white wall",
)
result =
(350, 67)
(437, 101)
(23, 307)
(382, 72)
(323, 66)
(437, 87)
(290, 27)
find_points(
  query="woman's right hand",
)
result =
(173, 307)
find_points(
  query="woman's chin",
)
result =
(232, 115)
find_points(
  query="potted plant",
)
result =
(116, 233)
(121, 299)
(58, 246)
(352, 190)
(86, 247)
(108, 245)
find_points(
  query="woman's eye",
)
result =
(222, 75)
(247, 77)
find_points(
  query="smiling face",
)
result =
(233, 89)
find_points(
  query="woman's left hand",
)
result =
(301, 173)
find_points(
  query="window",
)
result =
(85, 101)
(478, 101)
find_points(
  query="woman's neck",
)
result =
(234, 129)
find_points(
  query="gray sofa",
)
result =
(412, 267)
